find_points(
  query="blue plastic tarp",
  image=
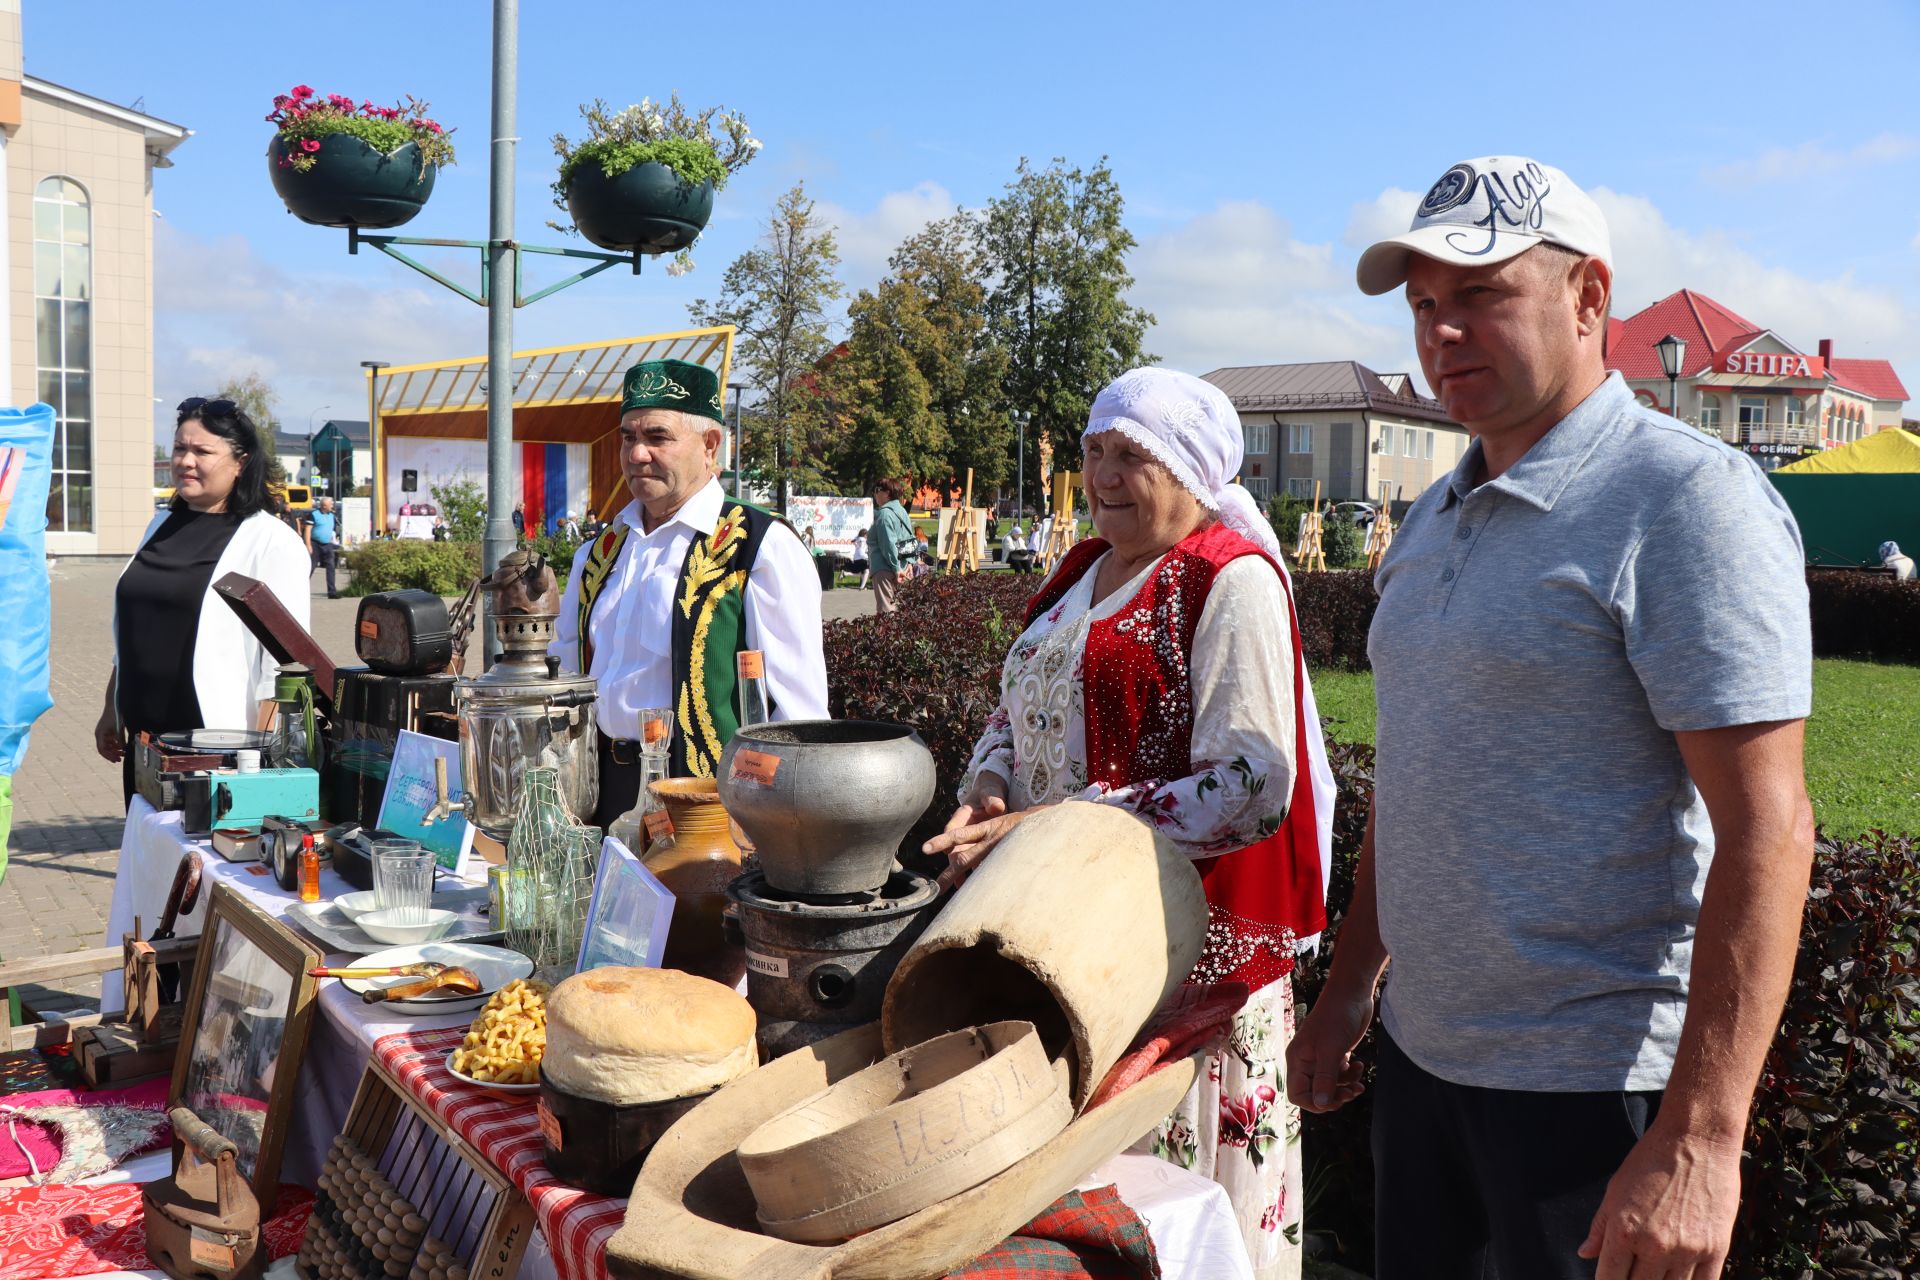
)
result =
(25, 597)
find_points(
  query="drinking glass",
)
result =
(403, 879)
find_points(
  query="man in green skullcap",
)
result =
(660, 604)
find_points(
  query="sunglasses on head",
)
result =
(195, 406)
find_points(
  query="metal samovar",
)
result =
(522, 712)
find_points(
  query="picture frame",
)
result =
(411, 792)
(244, 1034)
(628, 915)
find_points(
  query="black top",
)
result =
(157, 608)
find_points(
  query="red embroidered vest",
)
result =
(1139, 726)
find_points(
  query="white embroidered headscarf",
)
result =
(1190, 427)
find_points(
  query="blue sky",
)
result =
(1765, 154)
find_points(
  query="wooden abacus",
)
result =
(401, 1197)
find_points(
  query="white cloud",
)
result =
(1234, 286)
(221, 310)
(1387, 214)
(867, 240)
(1653, 258)
(1813, 159)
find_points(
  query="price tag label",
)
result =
(369, 628)
(549, 1126)
(755, 766)
(208, 1249)
(659, 825)
(753, 665)
(771, 966)
(653, 731)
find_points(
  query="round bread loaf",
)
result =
(627, 1036)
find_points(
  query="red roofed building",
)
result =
(1745, 383)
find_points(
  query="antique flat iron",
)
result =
(203, 1223)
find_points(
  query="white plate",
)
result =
(494, 966)
(355, 905)
(491, 1086)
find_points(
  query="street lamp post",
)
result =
(739, 439)
(1020, 484)
(1672, 351)
(373, 368)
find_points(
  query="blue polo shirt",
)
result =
(1540, 850)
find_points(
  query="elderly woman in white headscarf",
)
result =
(1160, 671)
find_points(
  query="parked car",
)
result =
(1359, 512)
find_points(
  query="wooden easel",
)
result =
(1060, 537)
(962, 547)
(1380, 536)
(1311, 553)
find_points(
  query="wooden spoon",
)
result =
(454, 981)
(418, 969)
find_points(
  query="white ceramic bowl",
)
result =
(382, 926)
(355, 905)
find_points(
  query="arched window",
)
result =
(1710, 414)
(63, 331)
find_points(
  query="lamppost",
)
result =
(373, 368)
(734, 390)
(1020, 484)
(1672, 351)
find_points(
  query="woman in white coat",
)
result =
(182, 658)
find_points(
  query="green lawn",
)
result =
(1863, 742)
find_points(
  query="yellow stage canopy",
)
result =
(1893, 451)
(561, 395)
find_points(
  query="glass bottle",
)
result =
(292, 746)
(550, 866)
(752, 667)
(309, 869)
(636, 828)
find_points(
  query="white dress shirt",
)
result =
(632, 623)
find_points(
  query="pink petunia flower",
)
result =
(302, 92)
(309, 144)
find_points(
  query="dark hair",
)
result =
(250, 492)
(893, 487)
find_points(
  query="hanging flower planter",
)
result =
(337, 165)
(648, 208)
(350, 184)
(642, 181)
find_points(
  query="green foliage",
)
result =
(463, 504)
(1055, 246)
(1863, 746)
(955, 351)
(777, 296)
(444, 568)
(558, 548)
(255, 397)
(302, 117)
(1283, 513)
(1344, 542)
(664, 133)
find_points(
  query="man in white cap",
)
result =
(1590, 839)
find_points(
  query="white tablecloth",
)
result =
(1189, 1217)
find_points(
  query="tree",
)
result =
(878, 397)
(464, 505)
(955, 351)
(254, 396)
(1056, 248)
(777, 295)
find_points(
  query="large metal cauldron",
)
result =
(826, 802)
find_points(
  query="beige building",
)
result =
(78, 251)
(1338, 422)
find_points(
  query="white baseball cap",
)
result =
(1486, 211)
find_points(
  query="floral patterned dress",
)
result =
(1235, 1125)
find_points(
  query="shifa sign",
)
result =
(1773, 364)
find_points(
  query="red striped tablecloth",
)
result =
(576, 1223)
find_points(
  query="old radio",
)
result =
(404, 633)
